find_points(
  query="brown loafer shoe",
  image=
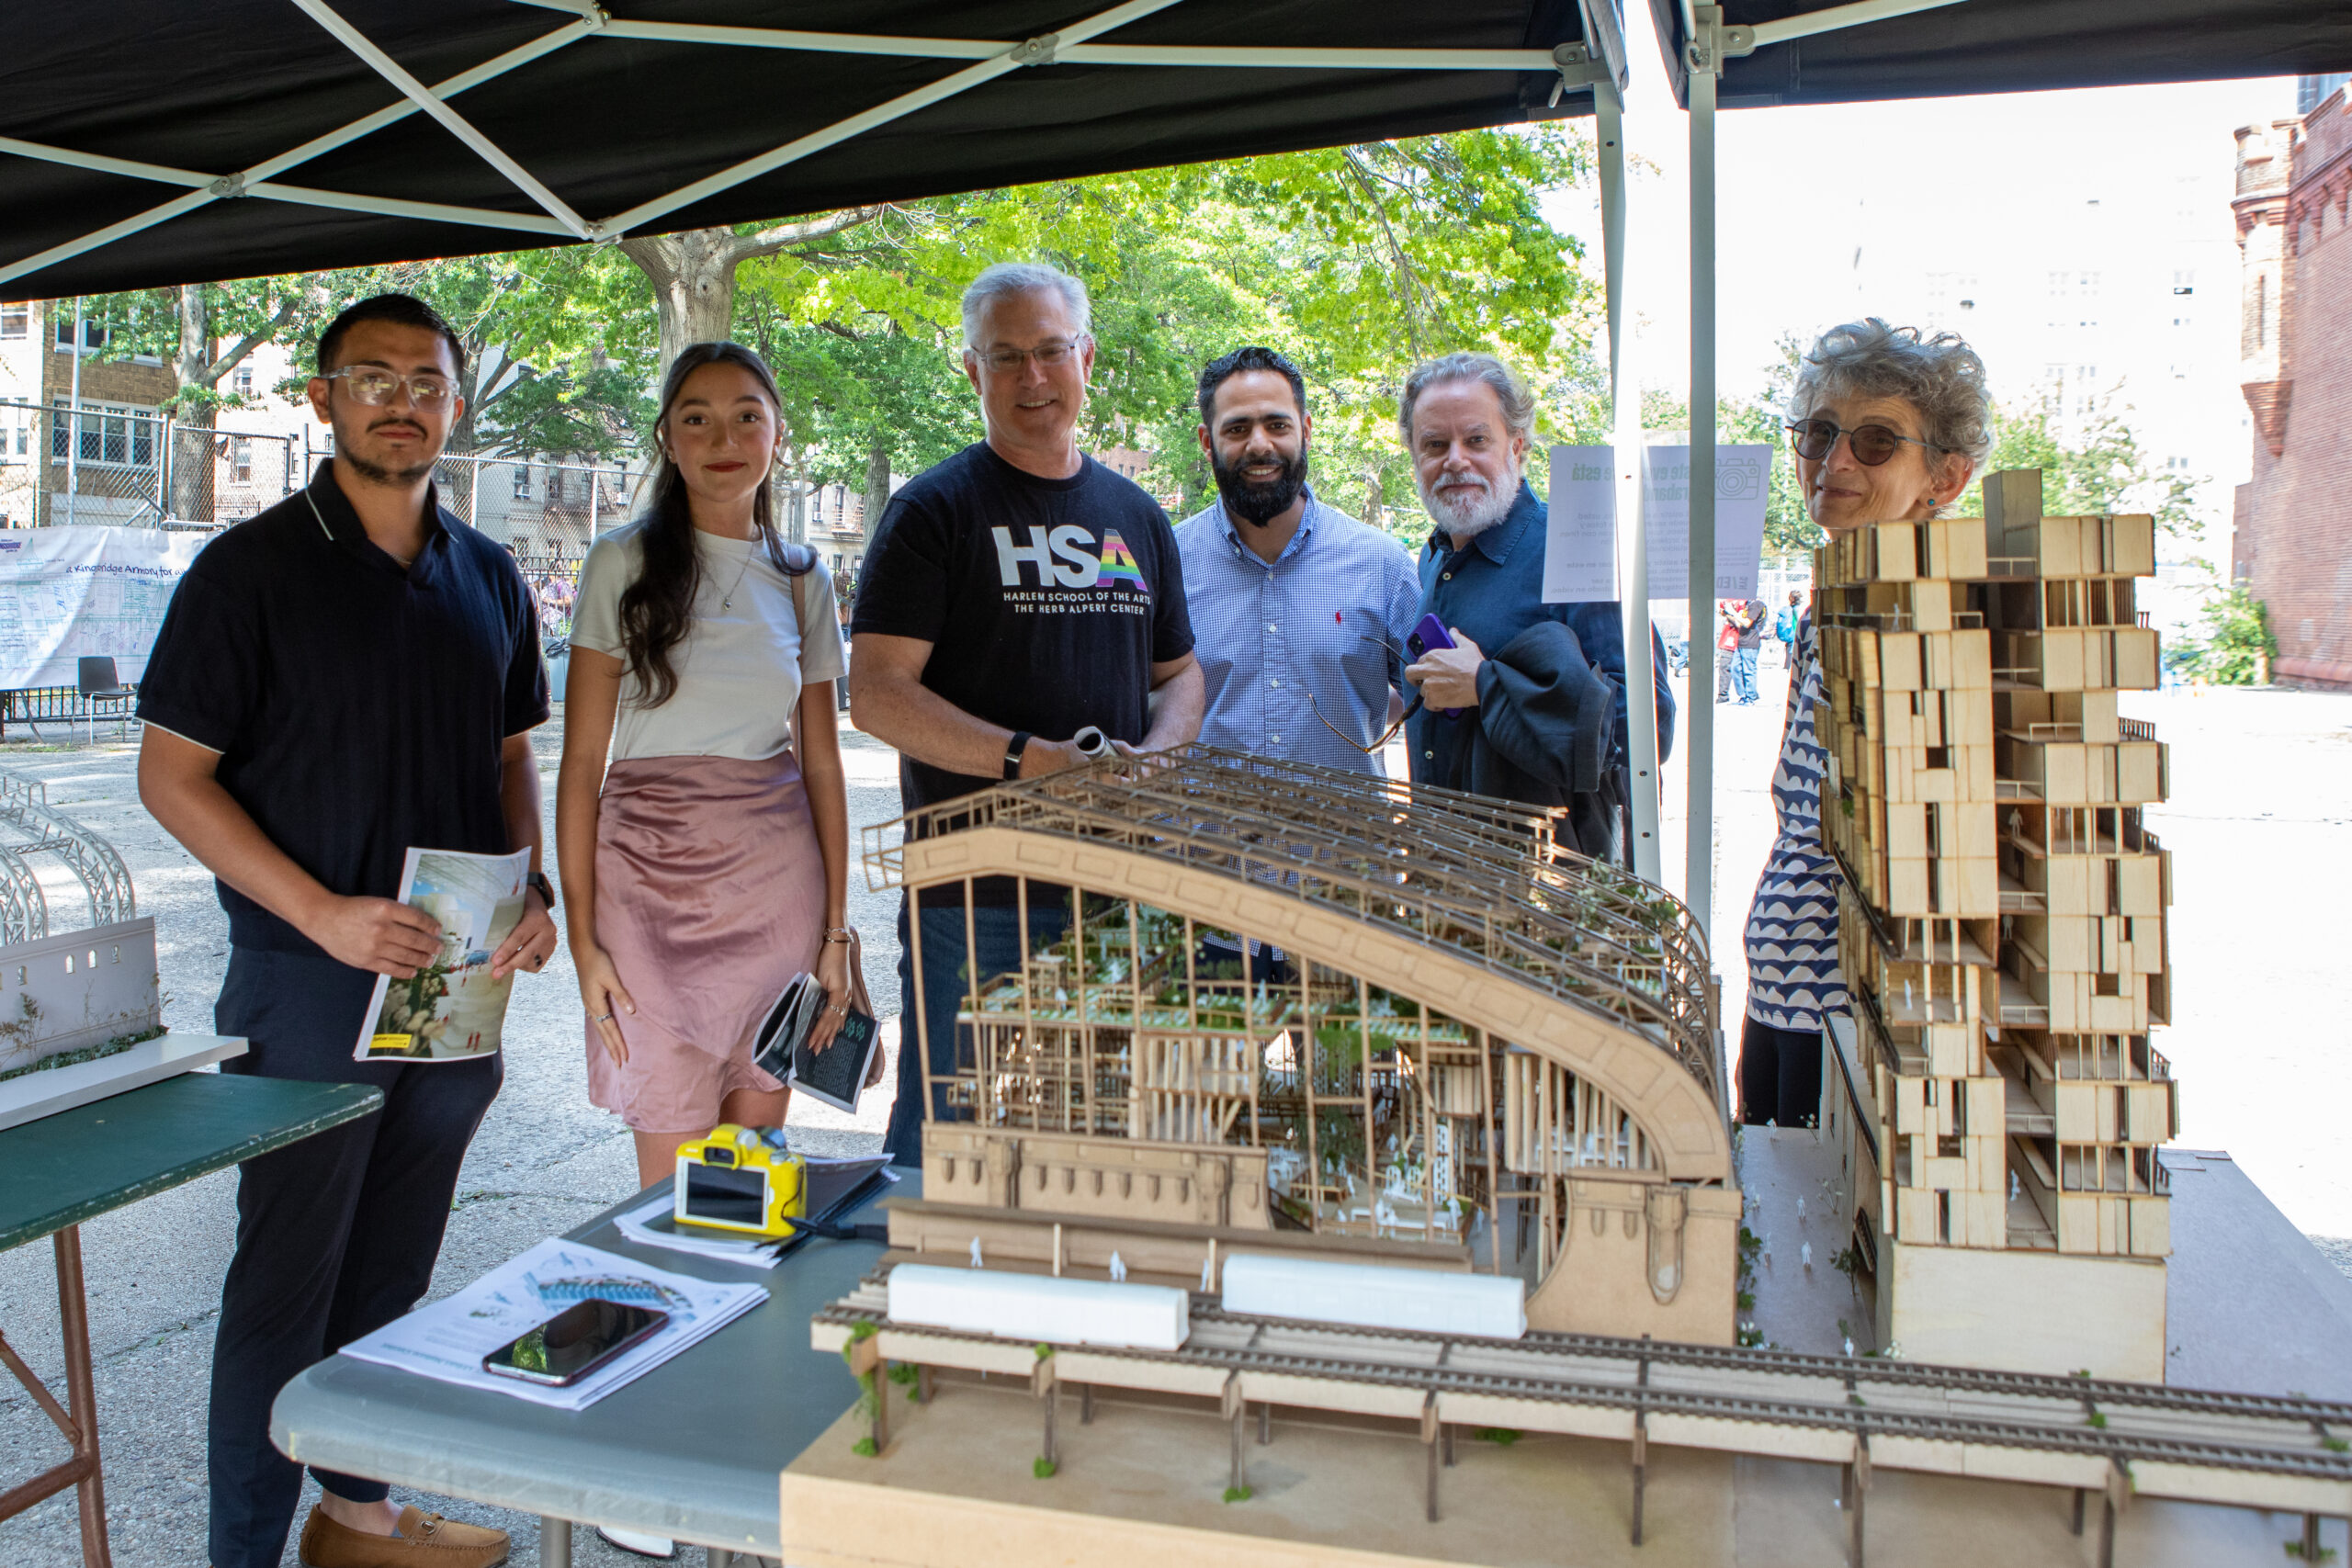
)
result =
(426, 1540)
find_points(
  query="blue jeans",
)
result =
(997, 928)
(1743, 675)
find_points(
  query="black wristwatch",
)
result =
(538, 879)
(1012, 749)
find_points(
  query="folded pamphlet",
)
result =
(451, 1009)
(835, 1074)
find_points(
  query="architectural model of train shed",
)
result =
(1293, 1005)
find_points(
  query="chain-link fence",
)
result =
(135, 468)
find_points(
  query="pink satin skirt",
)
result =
(710, 897)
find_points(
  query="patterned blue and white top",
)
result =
(1792, 976)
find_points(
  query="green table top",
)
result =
(78, 1164)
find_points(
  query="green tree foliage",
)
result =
(1356, 261)
(2236, 649)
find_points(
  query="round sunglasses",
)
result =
(1871, 444)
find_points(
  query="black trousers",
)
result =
(336, 1235)
(1779, 1076)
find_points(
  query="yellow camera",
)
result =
(742, 1179)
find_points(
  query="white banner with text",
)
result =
(1580, 541)
(69, 593)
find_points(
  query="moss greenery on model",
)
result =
(121, 1042)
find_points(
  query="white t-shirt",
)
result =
(740, 668)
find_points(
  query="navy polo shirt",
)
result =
(1491, 590)
(358, 708)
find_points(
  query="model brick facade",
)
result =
(2293, 544)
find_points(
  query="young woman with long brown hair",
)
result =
(708, 862)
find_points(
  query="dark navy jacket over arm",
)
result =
(1492, 589)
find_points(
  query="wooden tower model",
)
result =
(2002, 932)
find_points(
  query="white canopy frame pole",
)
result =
(456, 124)
(1632, 526)
(248, 181)
(1703, 62)
(1033, 51)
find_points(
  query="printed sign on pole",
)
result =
(1579, 544)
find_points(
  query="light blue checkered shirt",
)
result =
(1279, 644)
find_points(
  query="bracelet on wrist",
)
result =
(840, 934)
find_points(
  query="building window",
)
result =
(94, 334)
(2261, 310)
(522, 481)
(241, 459)
(14, 320)
(555, 484)
(110, 432)
(244, 380)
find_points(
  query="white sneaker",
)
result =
(638, 1542)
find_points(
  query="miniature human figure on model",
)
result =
(1015, 594)
(708, 864)
(1887, 427)
(1541, 719)
(353, 673)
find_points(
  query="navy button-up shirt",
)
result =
(1312, 637)
(1491, 590)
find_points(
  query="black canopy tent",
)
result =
(149, 143)
(681, 114)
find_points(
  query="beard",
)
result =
(1469, 506)
(346, 450)
(1259, 505)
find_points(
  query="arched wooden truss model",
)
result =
(1447, 1032)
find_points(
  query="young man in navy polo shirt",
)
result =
(352, 674)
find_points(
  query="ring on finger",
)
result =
(600, 1018)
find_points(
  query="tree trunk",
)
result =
(1372, 497)
(693, 276)
(877, 487)
(189, 457)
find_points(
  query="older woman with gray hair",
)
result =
(1888, 426)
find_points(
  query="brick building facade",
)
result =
(2291, 541)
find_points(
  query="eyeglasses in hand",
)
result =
(374, 386)
(1871, 444)
(1048, 355)
(1390, 733)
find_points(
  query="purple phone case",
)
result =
(1431, 632)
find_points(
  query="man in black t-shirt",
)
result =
(352, 674)
(1016, 594)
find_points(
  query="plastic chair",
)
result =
(95, 677)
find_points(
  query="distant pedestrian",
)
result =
(1751, 640)
(1730, 614)
(1784, 628)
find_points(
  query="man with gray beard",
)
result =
(1530, 703)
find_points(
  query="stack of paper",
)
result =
(448, 1339)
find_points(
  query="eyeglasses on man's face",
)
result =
(374, 386)
(1049, 355)
(1871, 444)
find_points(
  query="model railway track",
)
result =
(1905, 1414)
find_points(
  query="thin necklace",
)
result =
(726, 600)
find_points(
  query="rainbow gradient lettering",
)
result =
(1119, 562)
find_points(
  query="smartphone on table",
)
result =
(574, 1342)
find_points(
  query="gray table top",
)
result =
(692, 1450)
